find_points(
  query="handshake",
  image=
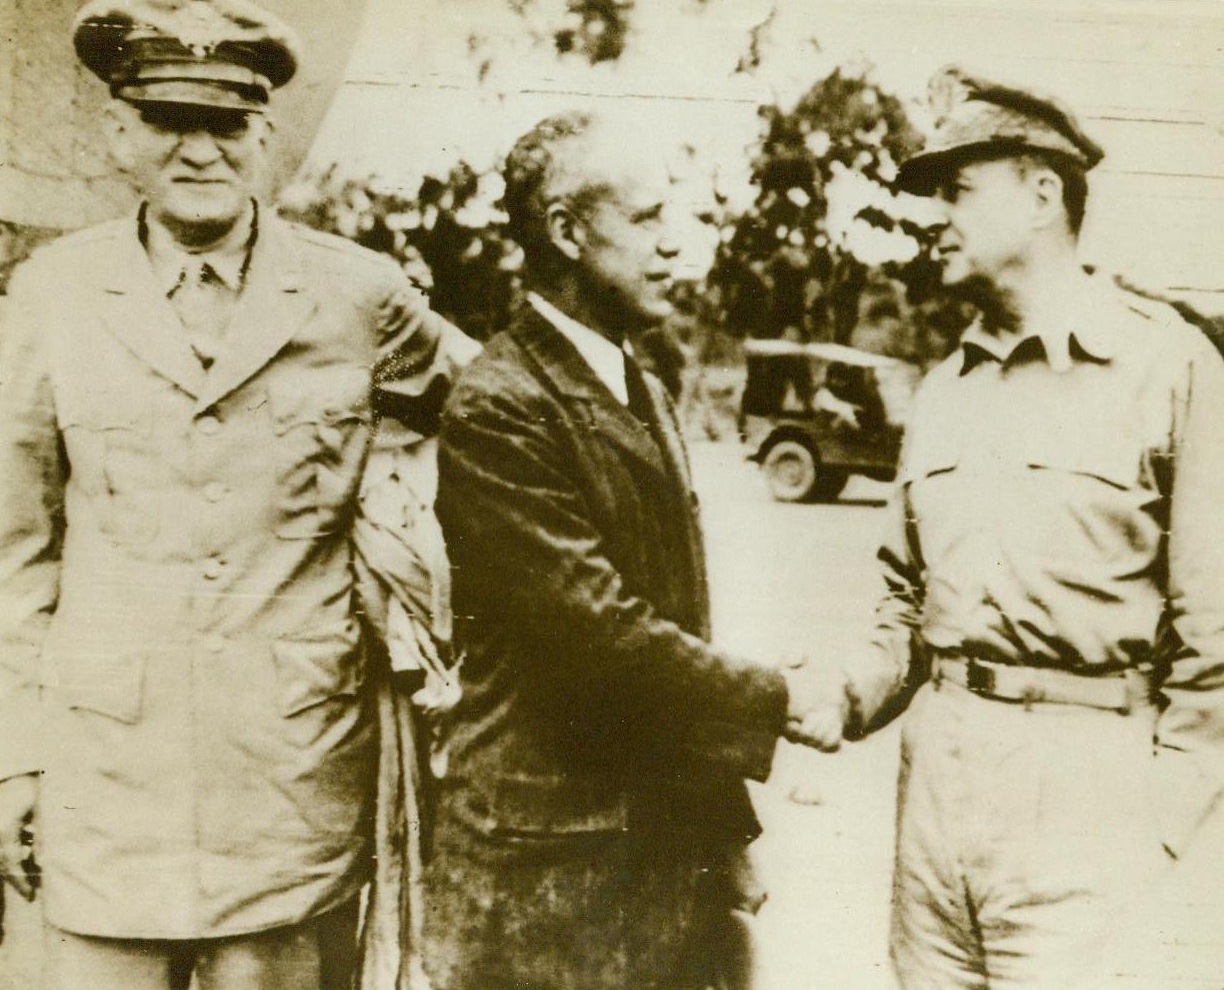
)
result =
(818, 704)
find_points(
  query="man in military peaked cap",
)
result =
(185, 729)
(1054, 571)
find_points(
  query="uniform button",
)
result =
(210, 426)
(214, 644)
(215, 491)
(214, 568)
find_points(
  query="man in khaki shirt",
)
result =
(1054, 609)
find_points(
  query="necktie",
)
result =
(204, 304)
(640, 403)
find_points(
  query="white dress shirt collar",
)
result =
(604, 357)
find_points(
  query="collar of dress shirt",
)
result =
(229, 258)
(605, 358)
(1084, 331)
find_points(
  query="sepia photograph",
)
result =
(611, 495)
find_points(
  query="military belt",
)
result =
(1120, 691)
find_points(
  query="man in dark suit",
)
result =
(593, 822)
(185, 415)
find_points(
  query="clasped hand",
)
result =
(817, 705)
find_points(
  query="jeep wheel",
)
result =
(794, 474)
(790, 471)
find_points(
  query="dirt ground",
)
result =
(787, 581)
(800, 580)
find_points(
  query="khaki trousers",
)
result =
(316, 954)
(1021, 833)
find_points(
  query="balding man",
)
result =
(592, 824)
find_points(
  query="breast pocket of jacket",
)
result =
(100, 682)
(115, 462)
(322, 426)
(939, 495)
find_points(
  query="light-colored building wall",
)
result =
(1146, 78)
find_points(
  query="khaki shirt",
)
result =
(1059, 506)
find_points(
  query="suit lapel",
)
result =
(561, 364)
(658, 462)
(272, 308)
(136, 312)
(682, 517)
(670, 441)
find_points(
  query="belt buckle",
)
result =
(979, 679)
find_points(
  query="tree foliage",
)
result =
(789, 267)
(449, 237)
(595, 30)
(17, 240)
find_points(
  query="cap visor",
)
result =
(192, 93)
(922, 174)
(919, 175)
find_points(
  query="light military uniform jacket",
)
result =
(176, 578)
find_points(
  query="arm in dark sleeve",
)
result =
(32, 478)
(525, 548)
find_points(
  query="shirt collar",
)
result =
(1085, 332)
(604, 357)
(229, 259)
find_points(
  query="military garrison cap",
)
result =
(217, 53)
(976, 117)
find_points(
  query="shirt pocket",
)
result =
(929, 456)
(322, 430)
(1086, 503)
(1100, 463)
(930, 473)
(317, 669)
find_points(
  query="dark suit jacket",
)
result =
(596, 762)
